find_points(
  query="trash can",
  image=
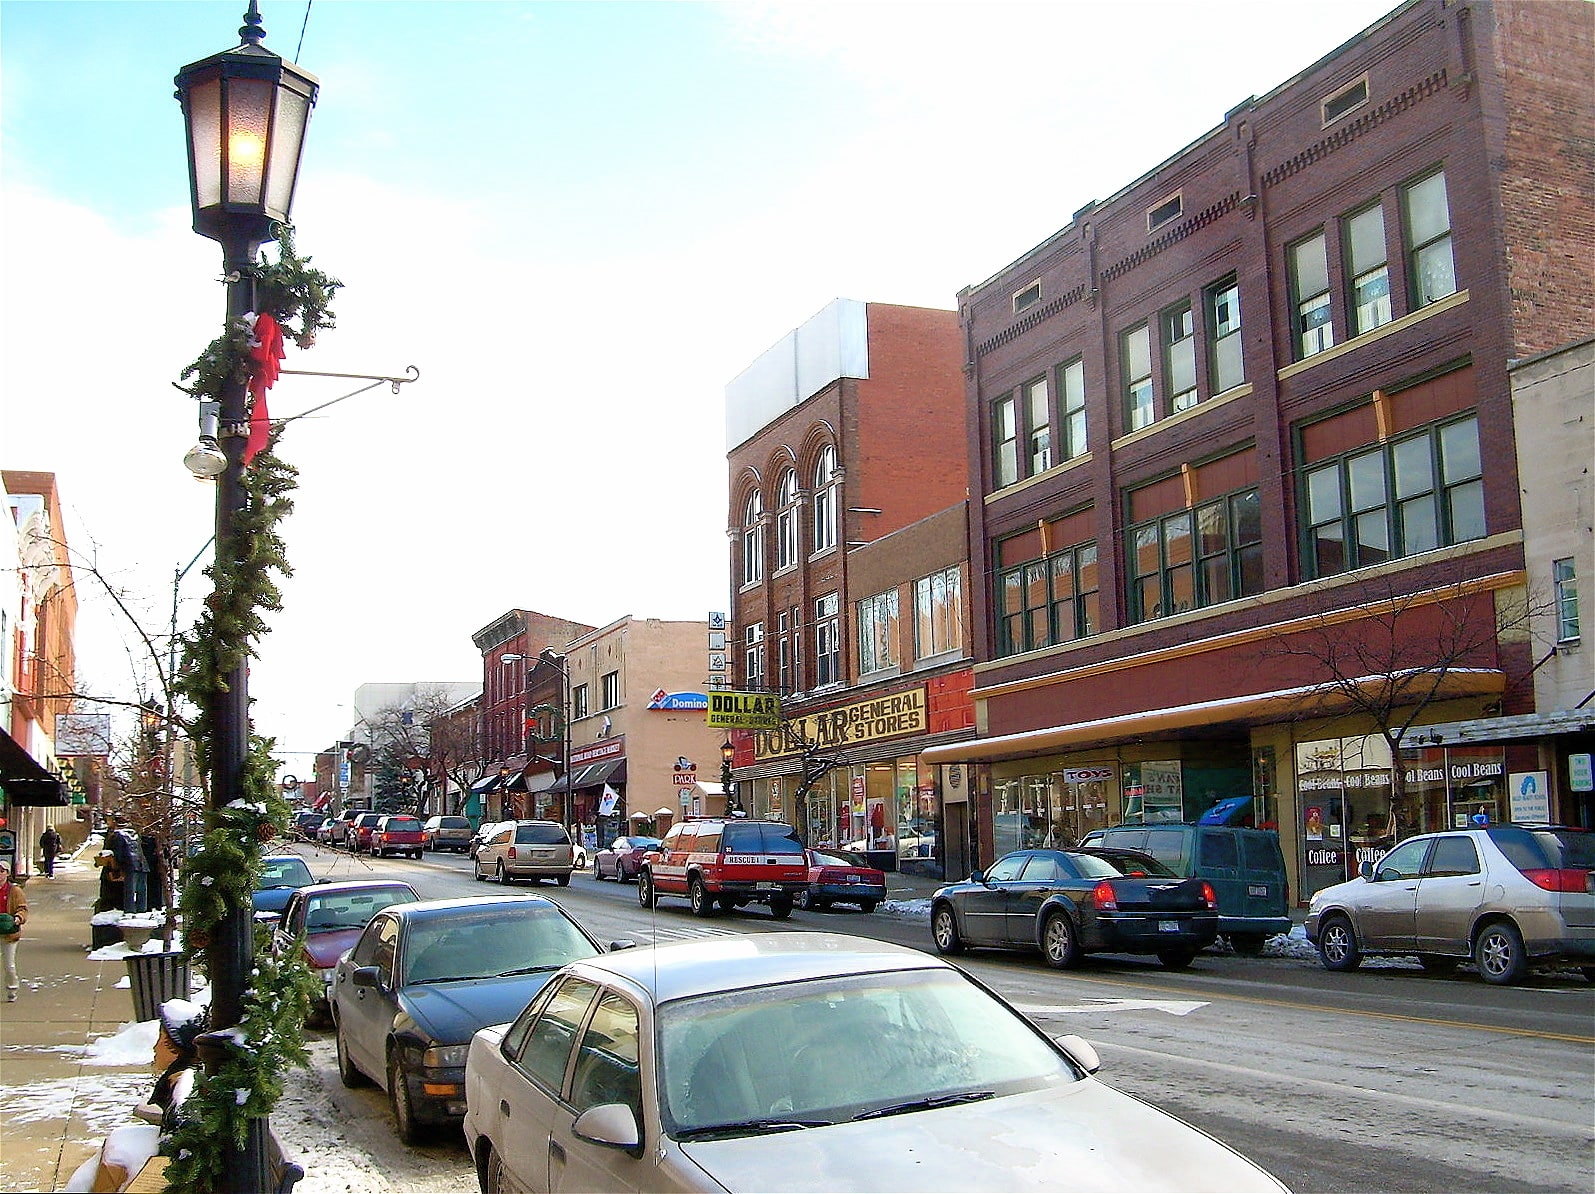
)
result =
(155, 978)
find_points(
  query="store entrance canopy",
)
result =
(27, 784)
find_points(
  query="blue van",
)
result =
(1245, 866)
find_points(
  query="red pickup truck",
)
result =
(397, 834)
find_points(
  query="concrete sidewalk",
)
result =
(56, 1104)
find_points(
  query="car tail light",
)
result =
(512, 852)
(1104, 897)
(1209, 896)
(1565, 879)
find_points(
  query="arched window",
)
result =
(786, 520)
(825, 486)
(753, 539)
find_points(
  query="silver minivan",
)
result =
(526, 850)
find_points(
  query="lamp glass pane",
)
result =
(248, 121)
(205, 141)
(287, 134)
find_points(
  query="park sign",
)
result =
(743, 710)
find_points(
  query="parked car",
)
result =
(622, 858)
(331, 831)
(397, 834)
(338, 835)
(1067, 904)
(447, 833)
(280, 876)
(424, 977)
(839, 877)
(1509, 897)
(304, 825)
(483, 832)
(325, 919)
(807, 1062)
(1245, 866)
(357, 838)
(526, 850)
(725, 864)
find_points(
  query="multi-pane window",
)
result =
(1197, 557)
(753, 655)
(1047, 601)
(786, 520)
(753, 539)
(611, 687)
(877, 632)
(786, 647)
(1565, 579)
(1412, 494)
(938, 614)
(578, 702)
(1004, 442)
(1431, 268)
(1071, 386)
(1179, 353)
(1364, 235)
(1225, 362)
(1309, 285)
(1140, 400)
(827, 641)
(1040, 424)
(825, 485)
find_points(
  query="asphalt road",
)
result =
(1385, 1079)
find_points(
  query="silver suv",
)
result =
(526, 850)
(1508, 897)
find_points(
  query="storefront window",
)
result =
(1052, 811)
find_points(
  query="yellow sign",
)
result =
(881, 717)
(744, 710)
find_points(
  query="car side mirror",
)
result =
(1081, 1051)
(613, 1125)
(619, 945)
(977, 877)
(367, 976)
(1365, 869)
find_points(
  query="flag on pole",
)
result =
(606, 804)
(265, 354)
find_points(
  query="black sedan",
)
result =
(1069, 903)
(425, 976)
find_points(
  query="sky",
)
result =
(578, 222)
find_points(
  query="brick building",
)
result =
(848, 494)
(1243, 443)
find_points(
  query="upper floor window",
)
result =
(611, 684)
(786, 520)
(1364, 236)
(1038, 413)
(1395, 499)
(1024, 299)
(825, 499)
(1179, 356)
(1431, 271)
(1309, 288)
(938, 613)
(788, 677)
(877, 632)
(1565, 579)
(578, 702)
(1135, 356)
(753, 655)
(1225, 362)
(1004, 442)
(1048, 600)
(1197, 557)
(753, 539)
(1071, 387)
(827, 641)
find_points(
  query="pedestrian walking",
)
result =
(13, 915)
(49, 847)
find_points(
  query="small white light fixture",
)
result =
(510, 657)
(205, 459)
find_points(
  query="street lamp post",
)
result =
(244, 112)
(554, 659)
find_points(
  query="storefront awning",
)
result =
(1505, 729)
(27, 784)
(488, 783)
(1313, 700)
(590, 775)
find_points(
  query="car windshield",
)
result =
(491, 943)
(285, 872)
(826, 1051)
(1144, 864)
(351, 909)
(541, 833)
(453, 823)
(838, 858)
(642, 843)
(402, 825)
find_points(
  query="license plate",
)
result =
(1257, 889)
(762, 886)
(852, 878)
(1168, 926)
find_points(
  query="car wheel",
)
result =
(404, 1121)
(564, 880)
(805, 900)
(780, 907)
(1249, 945)
(944, 930)
(1175, 959)
(1499, 953)
(645, 890)
(476, 872)
(1337, 945)
(502, 875)
(1435, 964)
(698, 896)
(1059, 942)
(348, 1073)
(866, 906)
(495, 1179)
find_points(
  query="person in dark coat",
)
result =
(129, 854)
(49, 847)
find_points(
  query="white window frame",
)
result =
(786, 520)
(938, 613)
(753, 539)
(825, 487)
(610, 682)
(877, 632)
(1564, 578)
(827, 641)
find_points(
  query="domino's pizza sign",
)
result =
(678, 700)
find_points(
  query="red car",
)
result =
(838, 877)
(357, 838)
(330, 917)
(622, 858)
(397, 835)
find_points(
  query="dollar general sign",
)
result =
(744, 710)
